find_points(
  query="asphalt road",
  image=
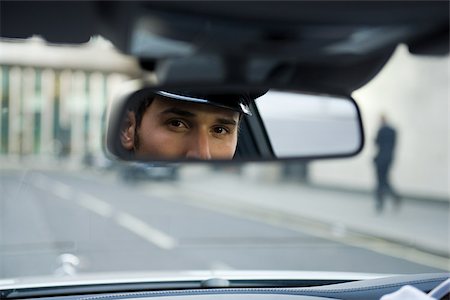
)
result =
(112, 226)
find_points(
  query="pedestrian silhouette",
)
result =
(386, 141)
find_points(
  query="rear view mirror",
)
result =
(249, 124)
(304, 125)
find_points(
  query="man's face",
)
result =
(174, 130)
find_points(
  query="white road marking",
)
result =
(62, 190)
(146, 232)
(96, 205)
(219, 266)
(104, 209)
(409, 254)
(377, 245)
(7, 281)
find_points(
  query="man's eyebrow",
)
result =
(178, 111)
(227, 121)
(187, 113)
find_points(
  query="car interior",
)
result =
(300, 47)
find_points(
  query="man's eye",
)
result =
(177, 124)
(220, 130)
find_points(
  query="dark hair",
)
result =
(140, 109)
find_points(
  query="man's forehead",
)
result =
(162, 103)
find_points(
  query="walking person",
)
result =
(386, 142)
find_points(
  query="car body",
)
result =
(310, 47)
(144, 171)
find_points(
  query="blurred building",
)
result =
(53, 99)
(413, 92)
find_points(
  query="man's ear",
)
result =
(128, 130)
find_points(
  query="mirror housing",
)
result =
(270, 123)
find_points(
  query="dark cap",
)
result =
(239, 102)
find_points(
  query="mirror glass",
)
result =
(252, 124)
(310, 125)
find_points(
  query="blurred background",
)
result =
(317, 215)
(45, 97)
(46, 111)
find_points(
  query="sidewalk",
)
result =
(416, 224)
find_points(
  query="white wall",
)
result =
(413, 92)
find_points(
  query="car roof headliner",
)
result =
(297, 43)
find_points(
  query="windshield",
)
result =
(66, 209)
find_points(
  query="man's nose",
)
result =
(199, 146)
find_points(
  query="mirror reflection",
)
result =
(310, 125)
(206, 125)
(185, 125)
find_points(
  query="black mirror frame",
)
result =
(134, 90)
